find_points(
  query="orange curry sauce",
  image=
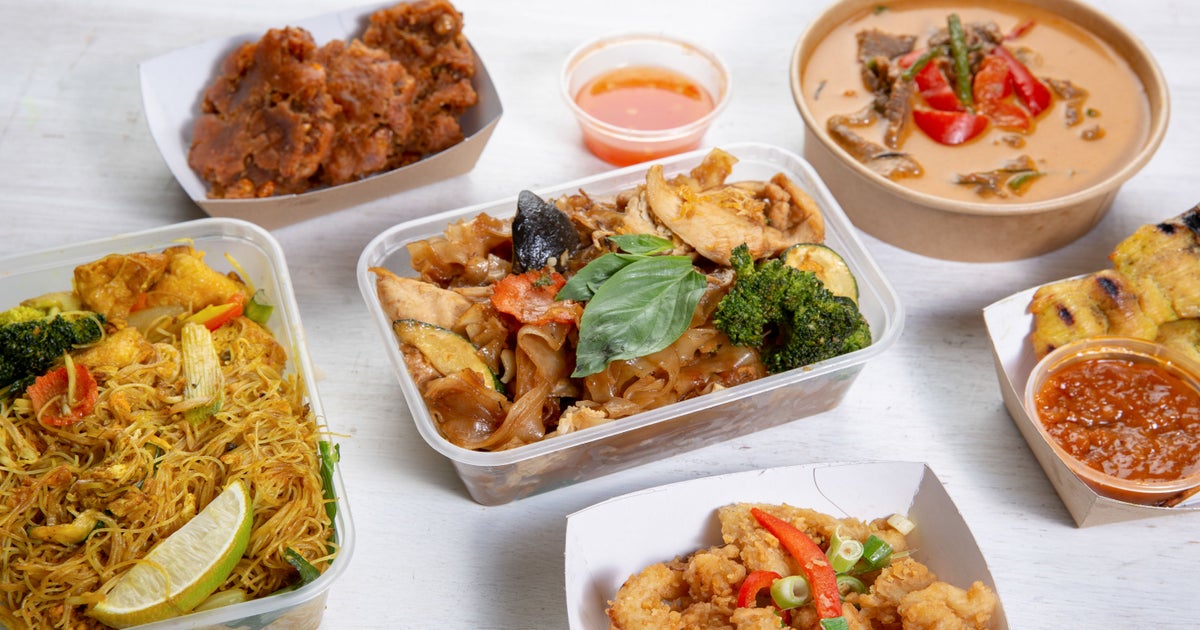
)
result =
(642, 98)
(1131, 420)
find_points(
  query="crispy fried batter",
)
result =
(942, 606)
(426, 36)
(283, 116)
(373, 93)
(700, 591)
(267, 121)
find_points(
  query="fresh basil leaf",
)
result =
(642, 308)
(644, 244)
(584, 284)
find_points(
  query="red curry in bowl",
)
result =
(976, 101)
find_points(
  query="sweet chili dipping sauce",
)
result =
(1129, 419)
(647, 98)
(642, 98)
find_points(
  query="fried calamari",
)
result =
(703, 590)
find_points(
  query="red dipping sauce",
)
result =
(1130, 419)
(642, 99)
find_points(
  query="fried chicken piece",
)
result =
(373, 93)
(942, 606)
(267, 120)
(1105, 302)
(1163, 261)
(426, 36)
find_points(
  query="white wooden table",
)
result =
(77, 162)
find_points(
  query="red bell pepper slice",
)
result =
(529, 297)
(1033, 92)
(754, 583)
(949, 127)
(56, 383)
(937, 90)
(822, 580)
(992, 85)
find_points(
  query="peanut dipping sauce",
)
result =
(1129, 419)
(832, 85)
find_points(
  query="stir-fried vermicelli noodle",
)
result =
(82, 503)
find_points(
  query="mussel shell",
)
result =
(541, 232)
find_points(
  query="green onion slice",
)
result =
(790, 592)
(847, 583)
(835, 623)
(877, 553)
(843, 553)
(901, 523)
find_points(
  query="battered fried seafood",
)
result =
(100, 467)
(1152, 292)
(285, 116)
(771, 555)
(599, 313)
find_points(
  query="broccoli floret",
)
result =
(29, 348)
(787, 314)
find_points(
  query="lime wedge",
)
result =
(186, 567)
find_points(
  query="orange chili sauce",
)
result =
(642, 98)
(1132, 420)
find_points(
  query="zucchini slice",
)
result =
(826, 264)
(448, 351)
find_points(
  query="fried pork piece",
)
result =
(267, 122)
(373, 93)
(426, 36)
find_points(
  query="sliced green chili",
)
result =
(847, 583)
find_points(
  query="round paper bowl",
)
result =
(969, 231)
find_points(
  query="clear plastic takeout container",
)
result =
(261, 259)
(498, 477)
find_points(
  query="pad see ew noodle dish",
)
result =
(585, 309)
(781, 566)
(128, 405)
